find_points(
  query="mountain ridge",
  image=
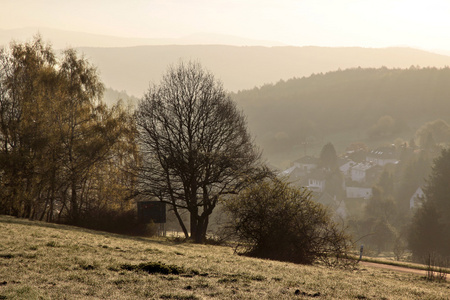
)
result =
(246, 67)
(62, 39)
(132, 68)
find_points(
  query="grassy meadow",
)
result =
(48, 261)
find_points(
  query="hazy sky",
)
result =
(367, 23)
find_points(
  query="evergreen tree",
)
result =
(430, 230)
(328, 158)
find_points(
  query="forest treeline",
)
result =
(286, 114)
(64, 155)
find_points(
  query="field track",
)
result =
(396, 268)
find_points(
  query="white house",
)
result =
(358, 192)
(382, 156)
(294, 173)
(415, 200)
(316, 181)
(359, 171)
(336, 205)
(346, 168)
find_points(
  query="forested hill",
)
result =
(346, 105)
(132, 68)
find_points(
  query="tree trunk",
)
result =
(44, 208)
(74, 214)
(193, 225)
(52, 197)
(201, 225)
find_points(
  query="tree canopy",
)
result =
(438, 131)
(57, 138)
(194, 143)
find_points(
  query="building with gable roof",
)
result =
(415, 200)
(383, 156)
(306, 163)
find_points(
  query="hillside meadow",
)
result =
(48, 261)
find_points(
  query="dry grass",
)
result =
(47, 261)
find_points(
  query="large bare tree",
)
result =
(195, 145)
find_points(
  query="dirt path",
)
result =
(396, 268)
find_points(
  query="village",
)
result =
(347, 189)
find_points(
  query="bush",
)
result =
(276, 221)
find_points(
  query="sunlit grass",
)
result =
(47, 261)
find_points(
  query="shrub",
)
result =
(276, 221)
(436, 267)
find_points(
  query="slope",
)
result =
(342, 107)
(48, 261)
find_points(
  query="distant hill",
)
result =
(343, 107)
(111, 97)
(62, 39)
(131, 69)
(126, 66)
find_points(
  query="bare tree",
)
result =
(194, 144)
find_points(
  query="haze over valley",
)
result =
(293, 76)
